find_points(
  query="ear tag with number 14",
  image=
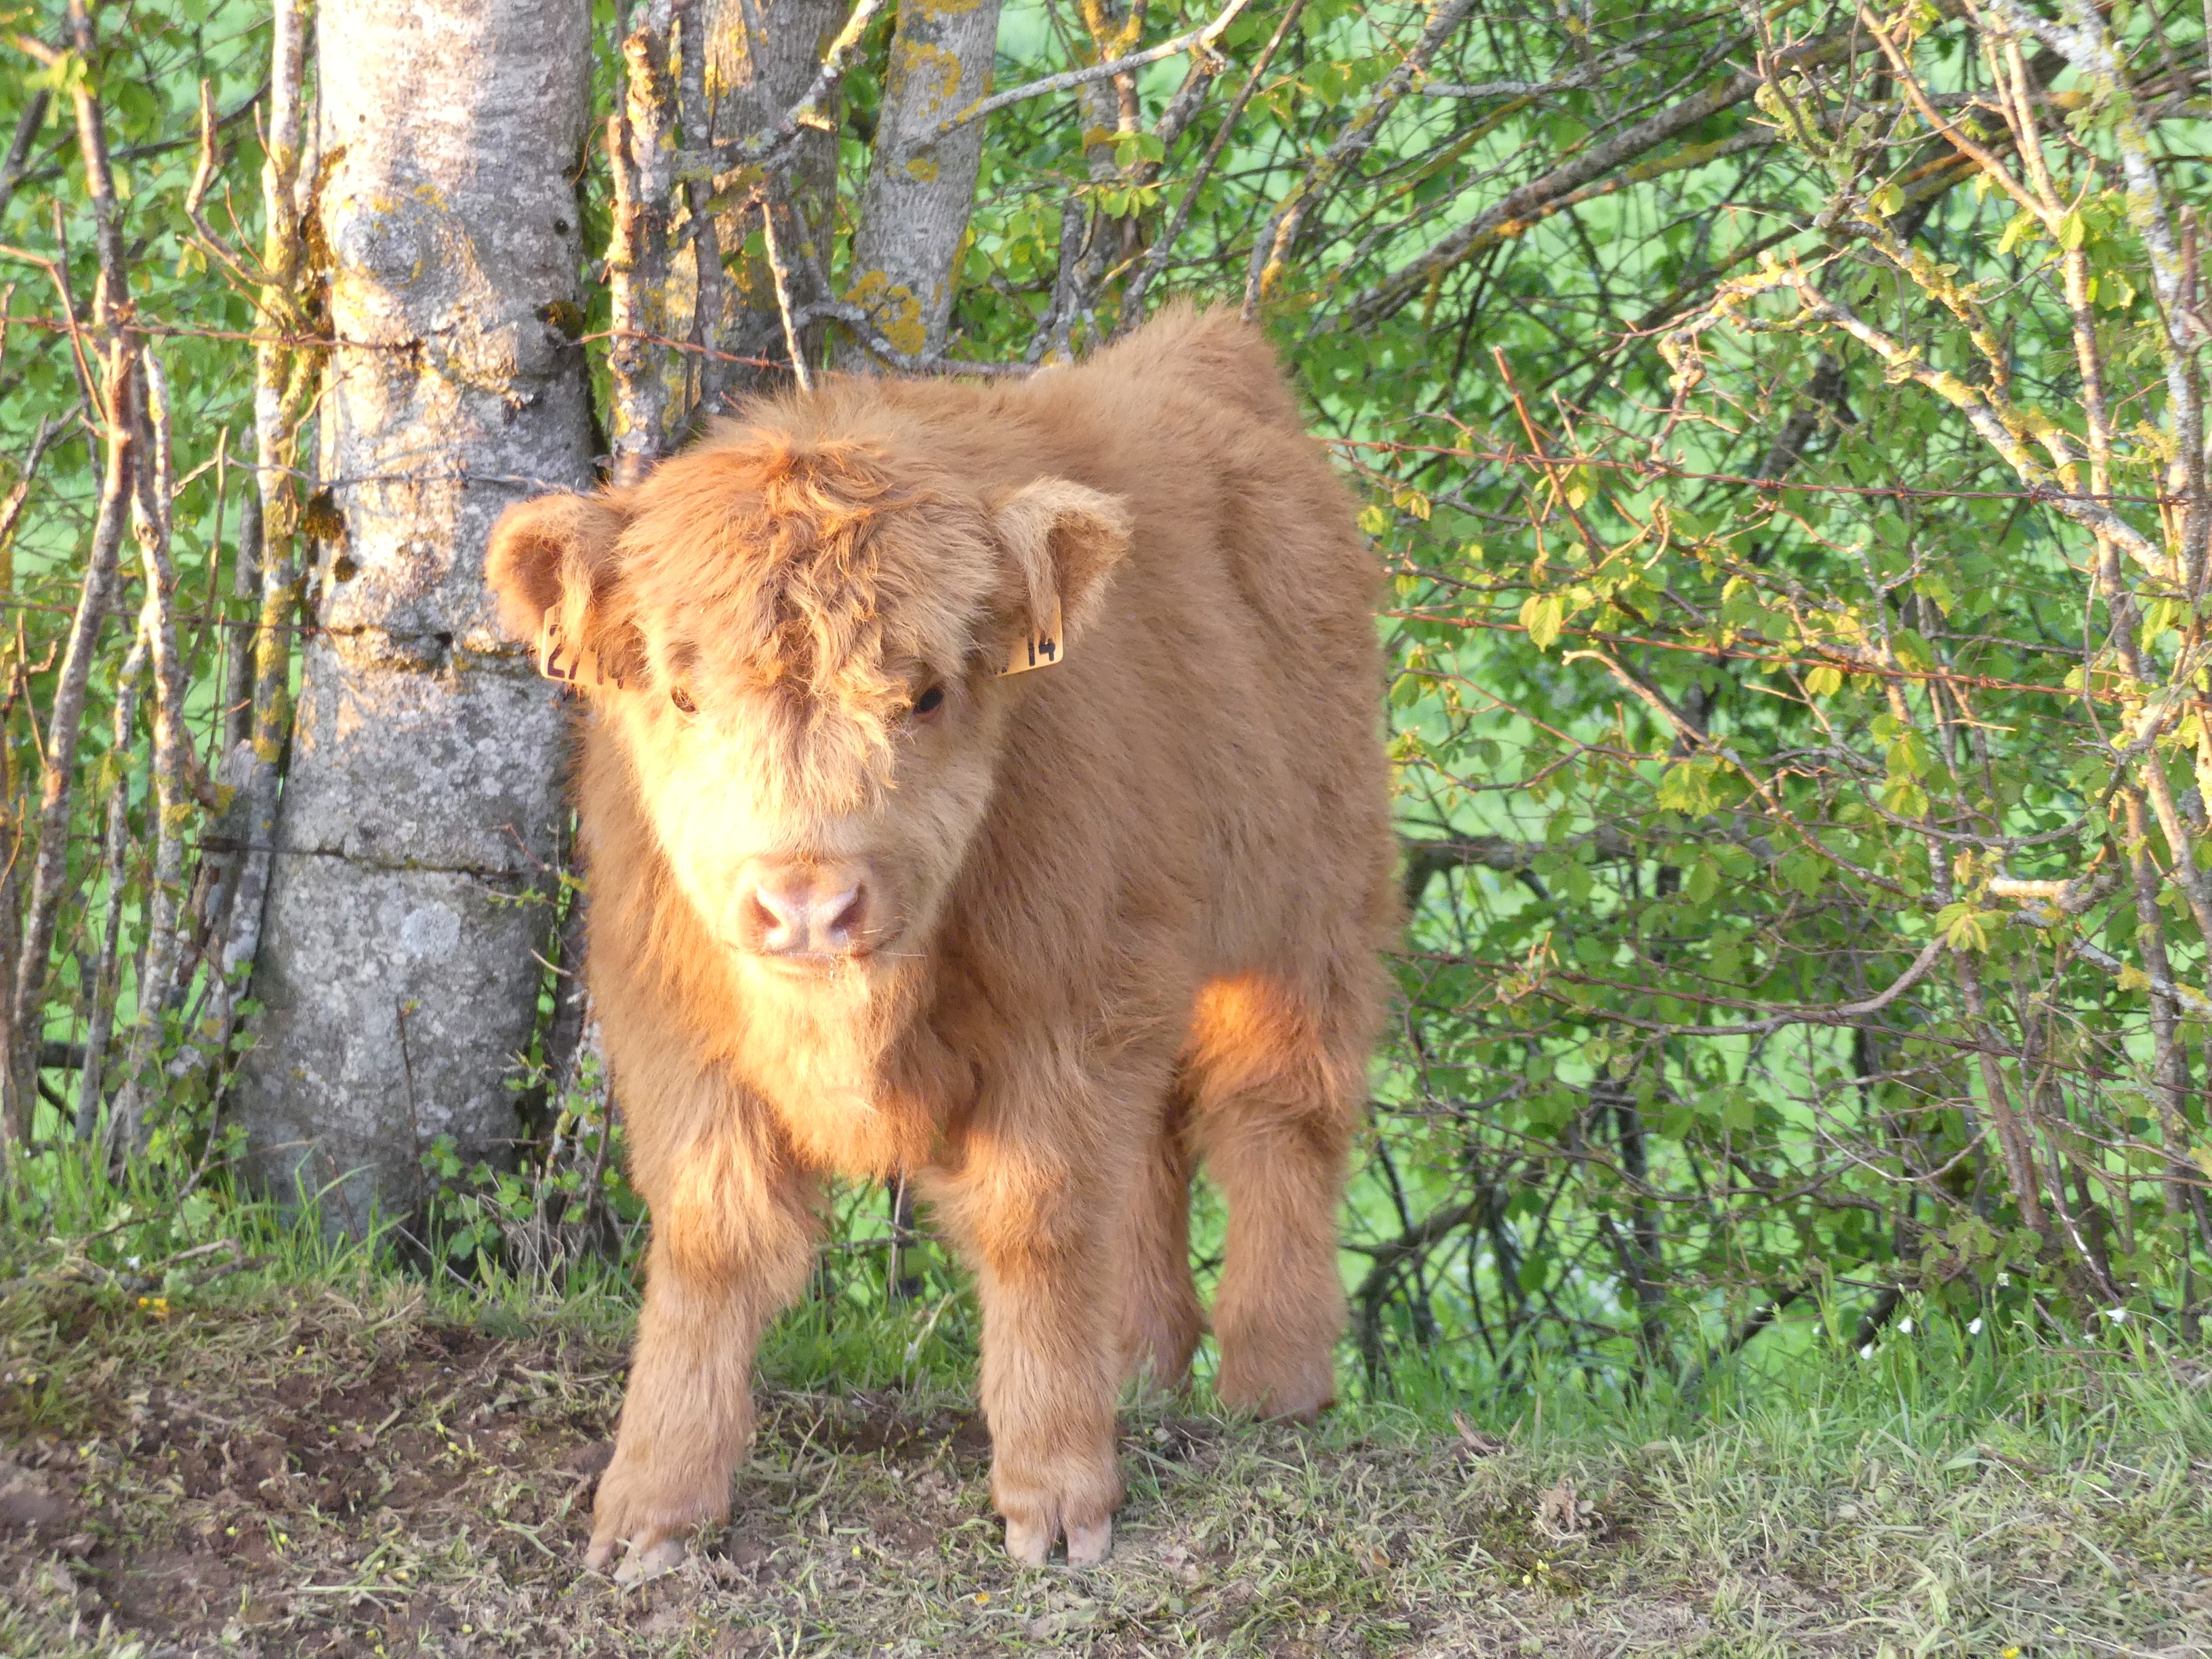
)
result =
(1040, 648)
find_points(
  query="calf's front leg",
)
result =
(1033, 1222)
(732, 1238)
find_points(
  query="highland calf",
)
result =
(867, 897)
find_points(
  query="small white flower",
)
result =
(130, 1260)
(2004, 1279)
(1975, 1328)
(1867, 1353)
(2116, 1315)
(1904, 1328)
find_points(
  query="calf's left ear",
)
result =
(1063, 540)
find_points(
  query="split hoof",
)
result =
(637, 1565)
(1089, 1546)
(1089, 1543)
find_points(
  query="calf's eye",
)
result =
(681, 699)
(929, 702)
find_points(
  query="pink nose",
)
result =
(806, 909)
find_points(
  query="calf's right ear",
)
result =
(552, 564)
(1063, 540)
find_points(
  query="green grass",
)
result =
(318, 1453)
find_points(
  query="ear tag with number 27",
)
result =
(583, 670)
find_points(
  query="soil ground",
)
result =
(282, 1471)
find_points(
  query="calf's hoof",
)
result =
(1089, 1546)
(640, 1564)
(1088, 1542)
(1294, 1392)
(638, 1523)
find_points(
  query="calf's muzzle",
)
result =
(797, 911)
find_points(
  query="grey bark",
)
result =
(765, 65)
(420, 809)
(921, 186)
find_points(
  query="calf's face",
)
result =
(803, 652)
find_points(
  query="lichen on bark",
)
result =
(914, 211)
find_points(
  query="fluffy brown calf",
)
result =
(864, 901)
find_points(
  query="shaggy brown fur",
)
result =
(1044, 942)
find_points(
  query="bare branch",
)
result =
(2000, 426)
(1271, 248)
(283, 380)
(1502, 218)
(18, 493)
(57, 779)
(172, 752)
(1132, 301)
(19, 147)
(1198, 40)
(2084, 41)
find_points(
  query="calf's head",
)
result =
(802, 648)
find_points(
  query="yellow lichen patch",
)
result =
(893, 308)
(930, 77)
(922, 169)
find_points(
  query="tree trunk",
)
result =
(767, 70)
(914, 214)
(397, 967)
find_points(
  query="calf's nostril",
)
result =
(847, 910)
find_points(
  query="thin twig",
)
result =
(780, 274)
(1197, 39)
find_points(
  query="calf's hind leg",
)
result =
(1276, 1095)
(1161, 1317)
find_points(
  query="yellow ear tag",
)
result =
(582, 670)
(1040, 649)
(549, 652)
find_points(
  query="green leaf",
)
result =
(1912, 651)
(1905, 798)
(1543, 616)
(1966, 929)
(1804, 871)
(1702, 879)
(1134, 150)
(1907, 755)
(2020, 228)
(1936, 587)
(1688, 788)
